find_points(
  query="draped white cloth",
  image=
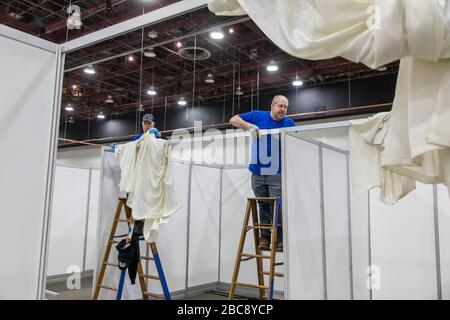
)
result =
(377, 32)
(146, 177)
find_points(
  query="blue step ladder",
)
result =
(142, 277)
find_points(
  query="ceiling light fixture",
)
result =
(151, 91)
(231, 30)
(109, 99)
(209, 78)
(297, 82)
(101, 115)
(216, 34)
(152, 34)
(272, 67)
(69, 107)
(182, 102)
(130, 58)
(89, 70)
(178, 44)
(149, 53)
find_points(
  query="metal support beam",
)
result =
(156, 16)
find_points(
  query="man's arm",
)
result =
(238, 122)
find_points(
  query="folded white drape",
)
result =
(146, 177)
(377, 32)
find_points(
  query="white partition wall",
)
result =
(403, 246)
(68, 224)
(30, 69)
(204, 226)
(443, 206)
(172, 238)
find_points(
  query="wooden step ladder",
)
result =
(155, 257)
(259, 255)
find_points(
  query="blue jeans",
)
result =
(267, 186)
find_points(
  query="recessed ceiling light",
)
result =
(182, 102)
(74, 87)
(216, 34)
(231, 30)
(151, 91)
(209, 78)
(130, 58)
(89, 70)
(69, 108)
(179, 44)
(272, 67)
(101, 115)
(152, 34)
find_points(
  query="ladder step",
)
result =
(249, 255)
(258, 227)
(276, 274)
(106, 287)
(124, 220)
(153, 295)
(262, 198)
(111, 264)
(149, 276)
(251, 285)
(147, 258)
(274, 298)
(113, 241)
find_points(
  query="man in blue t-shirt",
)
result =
(265, 164)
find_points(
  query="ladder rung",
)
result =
(251, 285)
(113, 241)
(153, 295)
(254, 255)
(149, 276)
(106, 287)
(258, 227)
(124, 220)
(147, 258)
(276, 274)
(111, 264)
(274, 298)
(263, 198)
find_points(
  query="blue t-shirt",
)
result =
(266, 151)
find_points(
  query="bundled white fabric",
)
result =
(367, 138)
(377, 32)
(146, 177)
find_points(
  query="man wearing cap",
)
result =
(148, 124)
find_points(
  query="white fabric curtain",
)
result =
(377, 32)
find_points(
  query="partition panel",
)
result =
(27, 93)
(68, 223)
(338, 255)
(204, 226)
(305, 276)
(403, 246)
(443, 206)
(172, 237)
(91, 236)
